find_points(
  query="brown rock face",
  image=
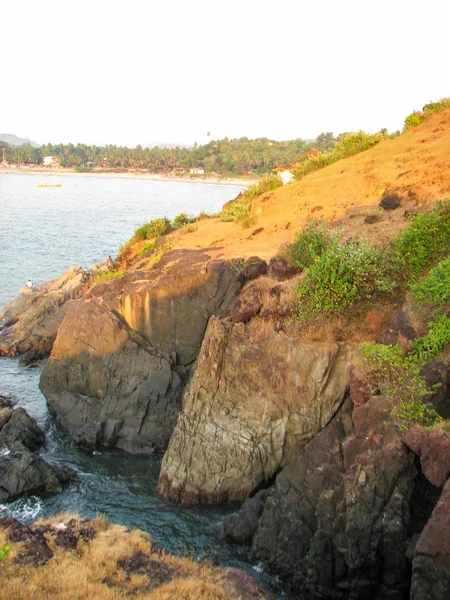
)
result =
(433, 447)
(112, 378)
(335, 524)
(30, 322)
(431, 563)
(256, 397)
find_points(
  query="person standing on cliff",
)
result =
(109, 263)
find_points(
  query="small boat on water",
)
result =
(49, 185)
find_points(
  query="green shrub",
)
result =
(348, 145)
(431, 344)
(188, 228)
(4, 551)
(435, 288)
(425, 241)
(418, 117)
(236, 211)
(145, 248)
(181, 220)
(388, 372)
(342, 275)
(309, 244)
(103, 276)
(265, 184)
(152, 229)
(414, 119)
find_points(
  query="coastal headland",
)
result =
(294, 358)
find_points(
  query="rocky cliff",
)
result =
(257, 396)
(28, 325)
(115, 375)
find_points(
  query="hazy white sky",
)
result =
(139, 71)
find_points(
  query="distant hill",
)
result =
(14, 140)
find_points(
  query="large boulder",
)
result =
(335, 524)
(115, 375)
(22, 470)
(255, 398)
(431, 563)
(28, 325)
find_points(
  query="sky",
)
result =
(144, 71)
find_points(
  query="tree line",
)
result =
(223, 157)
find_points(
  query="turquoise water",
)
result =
(45, 231)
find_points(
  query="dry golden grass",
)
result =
(91, 572)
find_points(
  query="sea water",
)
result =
(45, 230)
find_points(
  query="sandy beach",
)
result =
(135, 174)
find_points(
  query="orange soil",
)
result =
(415, 165)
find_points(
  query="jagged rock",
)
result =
(255, 398)
(433, 447)
(437, 374)
(431, 565)
(248, 303)
(22, 471)
(360, 391)
(254, 268)
(390, 202)
(28, 325)
(279, 268)
(266, 298)
(400, 331)
(240, 528)
(35, 550)
(112, 378)
(335, 525)
(22, 428)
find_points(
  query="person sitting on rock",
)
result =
(28, 283)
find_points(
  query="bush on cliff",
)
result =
(342, 275)
(103, 276)
(417, 117)
(435, 288)
(237, 211)
(348, 145)
(309, 244)
(267, 183)
(240, 210)
(425, 241)
(152, 229)
(389, 372)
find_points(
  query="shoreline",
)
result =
(128, 175)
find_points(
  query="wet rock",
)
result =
(112, 379)
(22, 428)
(256, 398)
(30, 322)
(240, 528)
(22, 471)
(431, 564)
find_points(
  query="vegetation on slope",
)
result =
(79, 559)
(339, 274)
(419, 116)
